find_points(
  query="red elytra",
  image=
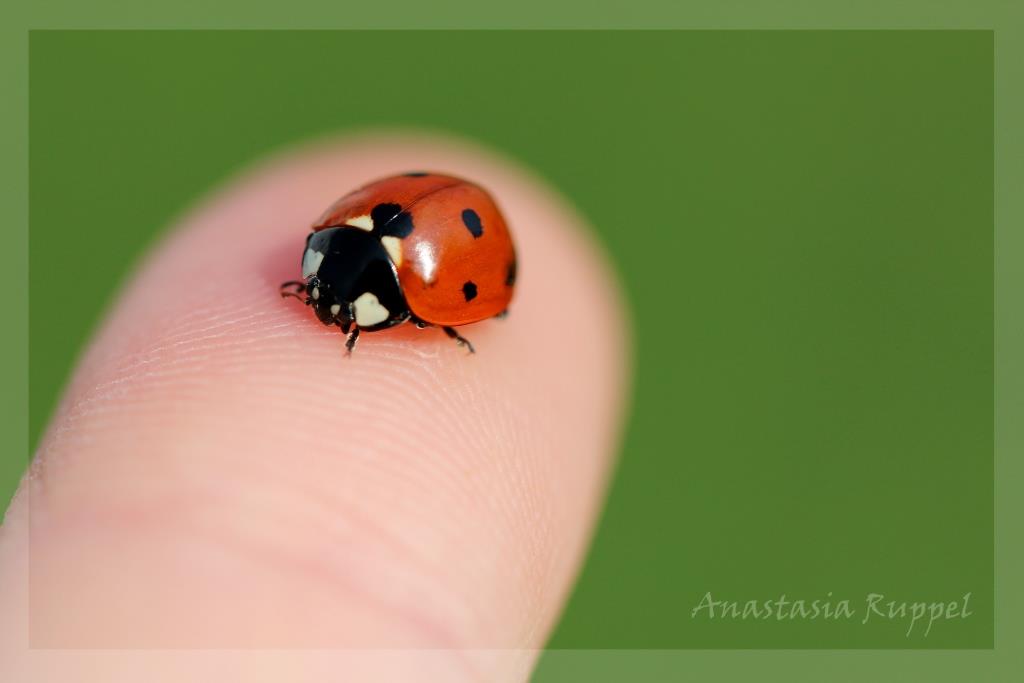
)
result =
(447, 247)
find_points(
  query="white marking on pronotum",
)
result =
(335, 309)
(311, 261)
(394, 248)
(363, 222)
(316, 292)
(369, 312)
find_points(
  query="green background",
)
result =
(802, 221)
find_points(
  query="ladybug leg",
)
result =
(459, 339)
(350, 343)
(502, 315)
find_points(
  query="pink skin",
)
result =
(219, 475)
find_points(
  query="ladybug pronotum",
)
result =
(424, 248)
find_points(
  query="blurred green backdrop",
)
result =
(803, 223)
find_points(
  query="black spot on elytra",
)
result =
(510, 274)
(469, 290)
(389, 219)
(472, 221)
(416, 174)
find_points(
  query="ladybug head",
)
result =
(349, 278)
(325, 303)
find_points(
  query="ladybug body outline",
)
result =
(425, 248)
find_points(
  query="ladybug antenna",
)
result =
(299, 287)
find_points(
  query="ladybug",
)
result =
(425, 248)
